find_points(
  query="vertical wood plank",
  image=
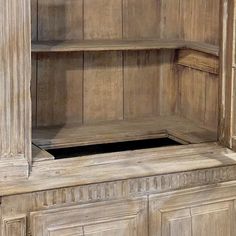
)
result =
(227, 103)
(103, 86)
(168, 93)
(141, 19)
(103, 19)
(103, 78)
(59, 95)
(34, 36)
(171, 19)
(212, 101)
(141, 84)
(60, 20)
(192, 94)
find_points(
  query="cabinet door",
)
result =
(191, 215)
(126, 218)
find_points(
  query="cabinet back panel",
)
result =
(89, 87)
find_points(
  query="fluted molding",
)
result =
(15, 108)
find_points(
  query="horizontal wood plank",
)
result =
(198, 60)
(121, 166)
(107, 45)
(118, 131)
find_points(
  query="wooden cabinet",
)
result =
(192, 214)
(120, 218)
(95, 81)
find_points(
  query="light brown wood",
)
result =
(59, 89)
(103, 87)
(15, 108)
(198, 60)
(66, 17)
(227, 77)
(204, 212)
(119, 218)
(196, 160)
(108, 71)
(39, 154)
(108, 45)
(118, 131)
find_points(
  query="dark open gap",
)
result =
(111, 147)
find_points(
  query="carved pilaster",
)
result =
(15, 108)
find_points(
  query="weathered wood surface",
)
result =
(128, 165)
(39, 154)
(15, 109)
(198, 60)
(118, 131)
(114, 45)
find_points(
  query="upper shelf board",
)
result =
(116, 45)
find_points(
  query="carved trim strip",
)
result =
(14, 226)
(131, 188)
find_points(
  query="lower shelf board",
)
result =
(174, 127)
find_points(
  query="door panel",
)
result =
(118, 218)
(191, 214)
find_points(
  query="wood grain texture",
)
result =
(200, 20)
(198, 60)
(39, 154)
(153, 170)
(171, 21)
(60, 20)
(120, 218)
(103, 87)
(118, 45)
(14, 226)
(59, 89)
(105, 13)
(168, 93)
(192, 213)
(140, 23)
(227, 76)
(198, 93)
(141, 84)
(15, 113)
(118, 131)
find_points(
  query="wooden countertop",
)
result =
(100, 168)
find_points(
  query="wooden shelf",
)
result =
(51, 174)
(113, 45)
(174, 127)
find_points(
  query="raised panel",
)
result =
(66, 231)
(128, 218)
(126, 227)
(213, 219)
(191, 214)
(14, 226)
(176, 223)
